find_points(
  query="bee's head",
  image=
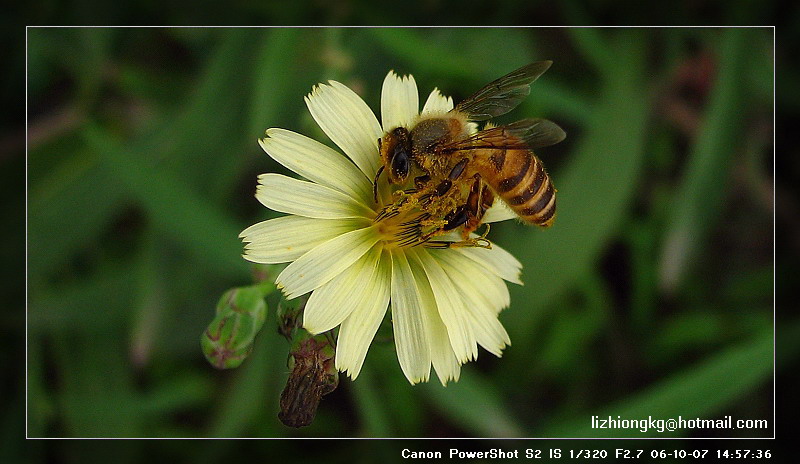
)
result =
(395, 149)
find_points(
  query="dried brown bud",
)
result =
(313, 375)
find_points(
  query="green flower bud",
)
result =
(228, 340)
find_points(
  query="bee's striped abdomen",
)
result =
(522, 182)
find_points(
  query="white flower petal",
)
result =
(499, 211)
(294, 196)
(331, 303)
(496, 290)
(443, 357)
(399, 101)
(410, 334)
(348, 122)
(278, 241)
(358, 330)
(317, 162)
(483, 294)
(497, 260)
(450, 307)
(324, 262)
(437, 103)
(492, 288)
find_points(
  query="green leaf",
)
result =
(150, 308)
(214, 106)
(273, 76)
(594, 48)
(98, 302)
(175, 208)
(641, 238)
(388, 405)
(179, 392)
(474, 404)
(96, 396)
(701, 391)
(59, 221)
(374, 411)
(89, 60)
(702, 190)
(684, 332)
(573, 331)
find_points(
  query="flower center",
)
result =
(407, 217)
(403, 220)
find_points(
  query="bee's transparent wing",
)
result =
(525, 134)
(503, 95)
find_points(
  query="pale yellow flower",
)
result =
(444, 302)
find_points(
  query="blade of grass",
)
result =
(701, 391)
(210, 105)
(475, 405)
(181, 391)
(273, 75)
(96, 394)
(59, 221)
(272, 80)
(148, 310)
(373, 410)
(173, 206)
(97, 302)
(89, 61)
(641, 239)
(701, 192)
(401, 404)
(573, 332)
(406, 43)
(592, 45)
(684, 332)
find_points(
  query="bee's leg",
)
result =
(410, 197)
(458, 217)
(487, 200)
(457, 170)
(479, 207)
(469, 216)
(479, 242)
(445, 185)
(476, 205)
(375, 181)
(451, 220)
(421, 181)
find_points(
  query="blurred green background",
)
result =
(651, 296)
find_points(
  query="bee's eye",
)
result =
(401, 163)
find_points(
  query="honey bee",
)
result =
(462, 171)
